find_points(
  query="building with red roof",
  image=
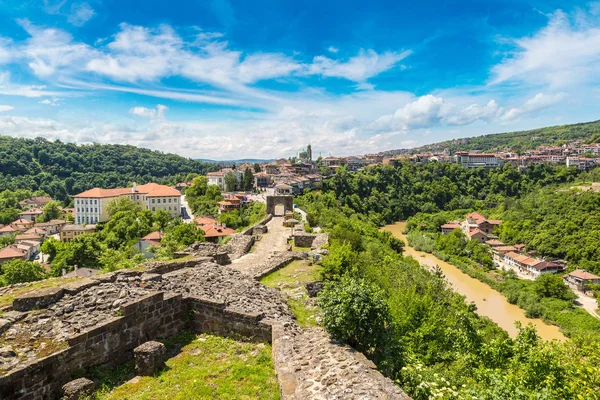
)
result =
(90, 206)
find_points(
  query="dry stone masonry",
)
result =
(49, 335)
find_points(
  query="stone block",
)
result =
(149, 357)
(38, 299)
(78, 388)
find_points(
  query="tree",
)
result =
(356, 312)
(51, 211)
(186, 234)
(19, 271)
(6, 240)
(197, 188)
(122, 203)
(550, 285)
(257, 168)
(248, 181)
(230, 182)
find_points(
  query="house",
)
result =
(22, 224)
(12, 252)
(283, 188)
(520, 247)
(449, 227)
(533, 266)
(502, 250)
(71, 231)
(151, 239)
(31, 214)
(262, 180)
(51, 227)
(477, 234)
(33, 245)
(494, 243)
(38, 202)
(213, 230)
(475, 220)
(90, 206)
(469, 160)
(29, 237)
(216, 178)
(37, 231)
(230, 203)
(7, 231)
(581, 279)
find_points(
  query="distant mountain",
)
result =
(514, 141)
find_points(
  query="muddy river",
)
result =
(489, 302)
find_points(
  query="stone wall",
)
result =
(250, 231)
(310, 240)
(157, 315)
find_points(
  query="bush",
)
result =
(19, 271)
(356, 312)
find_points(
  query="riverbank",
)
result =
(564, 314)
(490, 303)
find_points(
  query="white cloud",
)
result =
(152, 113)
(359, 68)
(80, 14)
(537, 103)
(473, 113)
(50, 102)
(49, 50)
(333, 49)
(4, 108)
(564, 53)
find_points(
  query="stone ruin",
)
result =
(49, 335)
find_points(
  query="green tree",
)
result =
(356, 312)
(19, 271)
(52, 210)
(230, 182)
(248, 180)
(551, 285)
(257, 168)
(122, 204)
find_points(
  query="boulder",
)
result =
(314, 288)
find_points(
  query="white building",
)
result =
(468, 160)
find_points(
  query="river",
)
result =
(489, 302)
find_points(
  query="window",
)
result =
(153, 209)
(96, 209)
(164, 201)
(169, 199)
(95, 201)
(138, 197)
(152, 203)
(169, 208)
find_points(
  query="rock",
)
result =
(314, 288)
(69, 308)
(7, 352)
(149, 357)
(122, 294)
(78, 388)
(4, 324)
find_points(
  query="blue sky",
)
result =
(229, 79)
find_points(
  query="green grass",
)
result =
(290, 280)
(7, 298)
(205, 367)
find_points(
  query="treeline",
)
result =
(521, 141)
(422, 334)
(387, 194)
(63, 169)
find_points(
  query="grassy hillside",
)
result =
(520, 140)
(61, 169)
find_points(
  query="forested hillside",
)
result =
(518, 141)
(62, 169)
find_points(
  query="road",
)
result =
(587, 303)
(186, 212)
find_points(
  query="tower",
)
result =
(309, 152)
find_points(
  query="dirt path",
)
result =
(273, 241)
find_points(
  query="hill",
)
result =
(515, 141)
(62, 169)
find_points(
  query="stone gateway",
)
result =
(273, 201)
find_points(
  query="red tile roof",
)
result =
(149, 189)
(451, 225)
(154, 236)
(216, 231)
(12, 252)
(583, 274)
(475, 232)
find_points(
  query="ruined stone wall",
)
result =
(213, 316)
(310, 240)
(250, 231)
(153, 316)
(156, 315)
